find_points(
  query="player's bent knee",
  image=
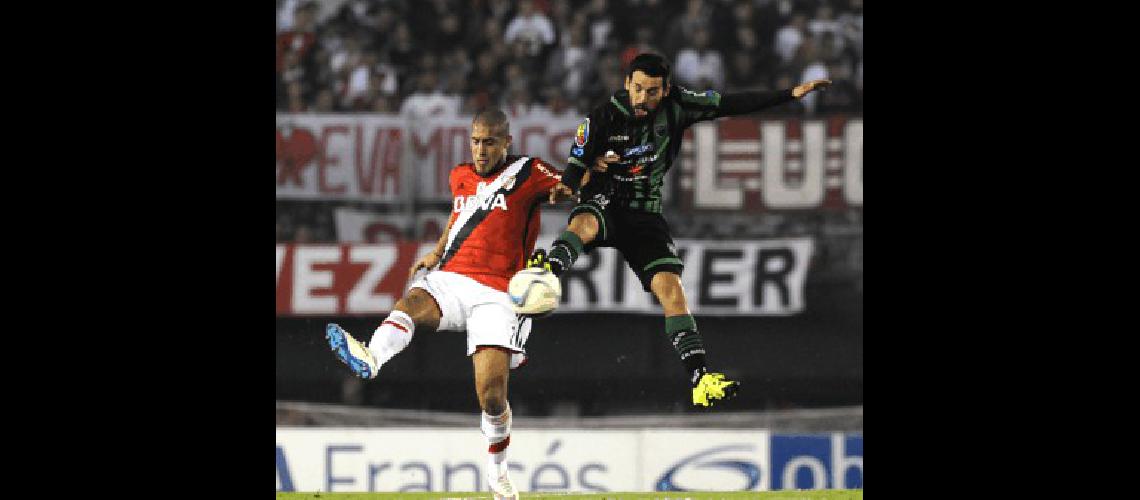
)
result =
(422, 308)
(493, 399)
(585, 225)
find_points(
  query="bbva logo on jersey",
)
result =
(482, 198)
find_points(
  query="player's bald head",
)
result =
(495, 120)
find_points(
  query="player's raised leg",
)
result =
(584, 227)
(681, 329)
(491, 376)
(417, 308)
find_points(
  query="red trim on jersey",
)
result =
(393, 323)
(500, 446)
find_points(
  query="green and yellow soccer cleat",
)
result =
(713, 387)
(538, 259)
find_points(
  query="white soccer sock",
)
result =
(392, 336)
(498, 432)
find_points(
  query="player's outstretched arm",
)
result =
(740, 103)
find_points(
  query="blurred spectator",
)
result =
(325, 102)
(285, 10)
(530, 27)
(824, 22)
(562, 14)
(557, 105)
(300, 38)
(571, 64)
(428, 100)
(368, 79)
(385, 22)
(498, 10)
(742, 73)
(458, 68)
(485, 79)
(449, 33)
(696, 16)
(519, 102)
(295, 99)
(700, 67)
(789, 37)
(643, 43)
(852, 27)
(600, 22)
(402, 49)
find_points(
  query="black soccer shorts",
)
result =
(641, 237)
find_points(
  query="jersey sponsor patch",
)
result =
(583, 133)
(637, 150)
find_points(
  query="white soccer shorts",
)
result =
(486, 314)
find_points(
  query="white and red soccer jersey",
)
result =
(496, 219)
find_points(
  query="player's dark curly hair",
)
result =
(650, 64)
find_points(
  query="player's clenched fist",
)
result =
(562, 192)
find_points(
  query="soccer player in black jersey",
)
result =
(630, 142)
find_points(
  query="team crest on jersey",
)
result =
(660, 129)
(509, 183)
(637, 170)
(583, 133)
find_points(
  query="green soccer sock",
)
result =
(564, 252)
(682, 332)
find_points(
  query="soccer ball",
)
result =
(535, 292)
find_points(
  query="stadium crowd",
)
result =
(421, 58)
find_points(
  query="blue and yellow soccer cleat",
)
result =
(538, 259)
(351, 352)
(713, 387)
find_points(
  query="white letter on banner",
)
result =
(280, 260)
(706, 194)
(818, 473)
(853, 167)
(380, 260)
(777, 194)
(305, 279)
(840, 462)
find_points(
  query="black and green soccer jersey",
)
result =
(648, 146)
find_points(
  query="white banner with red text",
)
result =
(738, 163)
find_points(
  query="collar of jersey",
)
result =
(507, 160)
